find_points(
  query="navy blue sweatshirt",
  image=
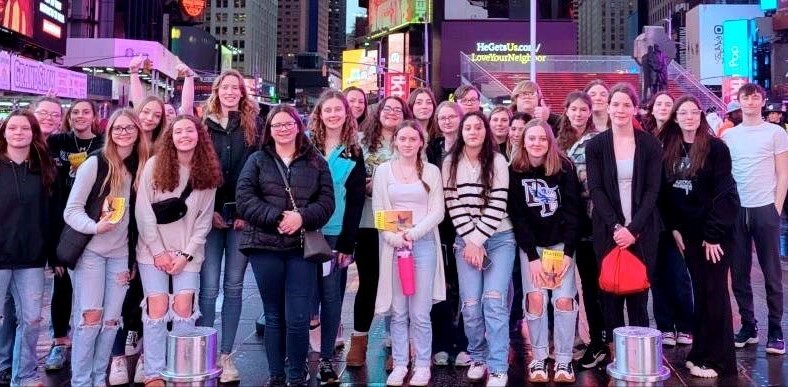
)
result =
(545, 210)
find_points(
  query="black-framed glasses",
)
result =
(124, 129)
(389, 109)
(284, 125)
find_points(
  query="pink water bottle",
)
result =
(407, 275)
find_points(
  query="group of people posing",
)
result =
(165, 199)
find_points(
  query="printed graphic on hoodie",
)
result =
(539, 194)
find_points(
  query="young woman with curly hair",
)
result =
(184, 165)
(236, 130)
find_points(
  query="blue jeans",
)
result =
(286, 282)
(7, 332)
(487, 322)
(27, 288)
(156, 282)
(410, 315)
(222, 244)
(327, 303)
(671, 288)
(99, 285)
(564, 321)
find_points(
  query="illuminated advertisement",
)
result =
(359, 69)
(507, 9)
(736, 48)
(29, 76)
(396, 58)
(397, 85)
(501, 42)
(40, 22)
(193, 8)
(18, 16)
(730, 88)
(384, 14)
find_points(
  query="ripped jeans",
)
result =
(487, 322)
(166, 307)
(26, 287)
(565, 320)
(100, 284)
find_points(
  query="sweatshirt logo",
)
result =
(539, 194)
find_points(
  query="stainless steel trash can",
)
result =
(191, 358)
(638, 355)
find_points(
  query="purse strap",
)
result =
(186, 191)
(287, 184)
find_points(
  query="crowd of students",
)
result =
(162, 200)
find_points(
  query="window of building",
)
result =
(225, 17)
(221, 3)
(240, 3)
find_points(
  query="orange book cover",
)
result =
(394, 220)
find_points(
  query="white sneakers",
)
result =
(463, 359)
(497, 380)
(441, 358)
(421, 376)
(118, 371)
(397, 376)
(139, 371)
(229, 372)
(476, 371)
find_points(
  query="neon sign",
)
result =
(491, 52)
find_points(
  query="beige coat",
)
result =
(389, 240)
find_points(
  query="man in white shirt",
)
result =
(759, 152)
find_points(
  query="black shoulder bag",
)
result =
(173, 209)
(316, 249)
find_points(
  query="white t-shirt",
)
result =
(753, 152)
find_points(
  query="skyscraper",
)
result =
(303, 28)
(603, 26)
(337, 29)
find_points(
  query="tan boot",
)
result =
(357, 355)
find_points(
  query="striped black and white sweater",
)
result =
(475, 221)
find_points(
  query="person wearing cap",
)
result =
(775, 113)
(733, 117)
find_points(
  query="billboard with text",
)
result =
(359, 69)
(384, 14)
(40, 22)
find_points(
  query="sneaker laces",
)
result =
(537, 365)
(131, 339)
(566, 367)
(478, 364)
(325, 366)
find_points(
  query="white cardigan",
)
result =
(389, 240)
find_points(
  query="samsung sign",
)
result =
(736, 48)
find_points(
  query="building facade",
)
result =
(303, 28)
(604, 26)
(337, 28)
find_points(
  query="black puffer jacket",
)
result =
(262, 198)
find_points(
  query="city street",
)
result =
(755, 367)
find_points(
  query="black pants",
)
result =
(762, 226)
(713, 334)
(368, 265)
(671, 288)
(132, 315)
(516, 313)
(588, 269)
(61, 305)
(448, 333)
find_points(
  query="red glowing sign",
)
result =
(193, 8)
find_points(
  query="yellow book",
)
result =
(394, 220)
(115, 208)
(552, 263)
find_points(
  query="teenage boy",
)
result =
(759, 152)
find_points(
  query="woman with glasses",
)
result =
(377, 135)
(527, 98)
(102, 273)
(49, 114)
(469, 98)
(277, 217)
(699, 204)
(236, 130)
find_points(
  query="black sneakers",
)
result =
(327, 374)
(595, 354)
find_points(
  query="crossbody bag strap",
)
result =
(187, 190)
(287, 184)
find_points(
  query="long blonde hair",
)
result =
(115, 163)
(552, 159)
(248, 108)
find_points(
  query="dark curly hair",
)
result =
(373, 128)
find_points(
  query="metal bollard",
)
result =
(191, 358)
(638, 355)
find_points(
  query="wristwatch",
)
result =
(188, 257)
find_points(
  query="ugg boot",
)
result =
(357, 355)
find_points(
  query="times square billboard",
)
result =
(497, 42)
(39, 22)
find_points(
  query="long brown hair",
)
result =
(415, 125)
(552, 159)
(162, 122)
(205, 172)
(373, 128)
(317, 129)
(648, 121)
(248, 108)
(94, 126)
(40, 162)
(115, 163)
(672, 140)
(567, 135)
(432, 127)
(486, 156)
(363, 115)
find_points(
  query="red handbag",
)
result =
(623, 273)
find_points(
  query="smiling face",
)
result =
(752, 104)
(49, 115)
(333, 114)
(448, 121)
(578, 113)
(230, 92)
(81, 117)
(473, 132)
(184, 135)
(284, 129)
(535, 142)
(408, 142)
(621, 109)
(688, 116)
(662, 107)
(18, 132)
(391, 113)
(423, 107)
(357, 103)
(599, 97)
(499, 123)
(469, 102)
(150, 116)
(123, 132)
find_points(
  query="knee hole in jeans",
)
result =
(470, 302)
(111, 324)
(183, 303)
(92, 317)
(534, 303)
(564, 304)
(157, 305)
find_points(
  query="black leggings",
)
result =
(448, 331)
(588, 269)
(61, 305)
(132, 315)
(368, 265)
